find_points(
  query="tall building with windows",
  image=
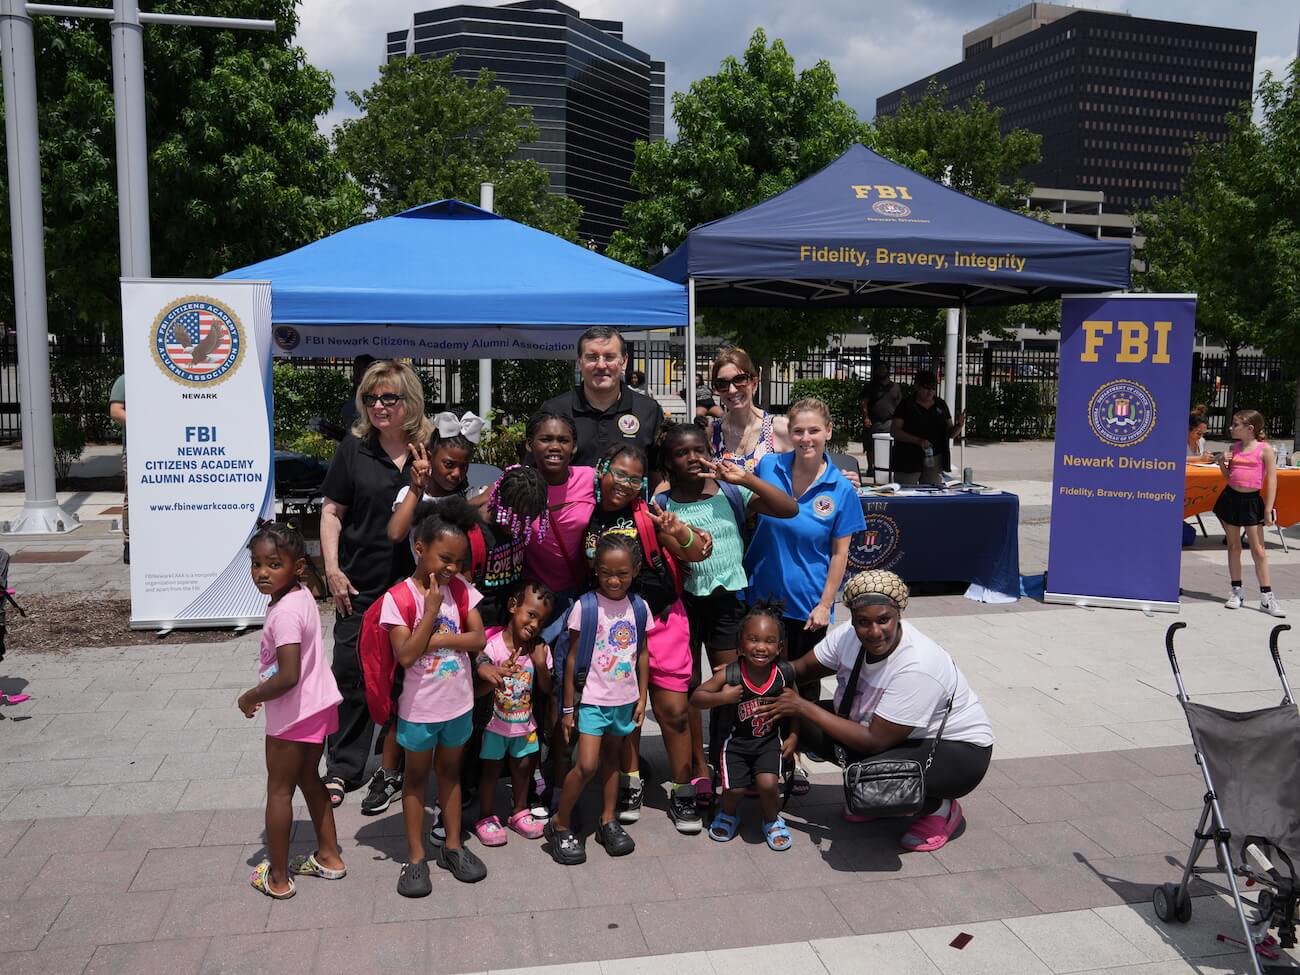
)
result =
(592, 94)
(1117, 99)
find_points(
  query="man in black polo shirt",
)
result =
(604, 410)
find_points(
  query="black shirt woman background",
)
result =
(923, 428)
(361, 562)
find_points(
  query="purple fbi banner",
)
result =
(1118, 479)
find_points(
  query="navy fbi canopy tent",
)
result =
(452, 264)
(865, 231)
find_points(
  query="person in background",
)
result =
(636, 381)
(1196, 427)
(880, 400)
(604, 410)
(1246, 504)
(117, 413)
(923, 428)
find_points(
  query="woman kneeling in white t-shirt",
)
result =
(903, 688)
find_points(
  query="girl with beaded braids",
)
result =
(666, 541)
(897, 703)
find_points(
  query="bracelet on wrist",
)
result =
(566, 710)
(690, 538)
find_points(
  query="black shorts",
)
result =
(715, 619)
(1239, 508)
(744, 759)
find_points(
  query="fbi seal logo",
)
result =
(286, 337)
(876, 546)
(1122, 413)
(196, 341)
(891, 208)
(629, 425)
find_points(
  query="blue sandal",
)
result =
(774, 832)
(723, 827)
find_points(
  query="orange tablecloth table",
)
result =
(1205, 483)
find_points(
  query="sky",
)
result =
(874, 47)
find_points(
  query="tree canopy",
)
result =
(426, 133)
(237, 169)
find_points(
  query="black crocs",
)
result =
(566, 848)
(462, 864)
(615, 839)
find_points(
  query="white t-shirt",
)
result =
(909, 687)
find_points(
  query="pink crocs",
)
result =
(526, 825)
(490, 832)
(931, 832)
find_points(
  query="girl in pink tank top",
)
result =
(1247, 504)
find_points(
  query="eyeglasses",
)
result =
(387, 399)
(621, 477)
(739, 380)
(608, 359)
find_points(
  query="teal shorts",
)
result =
(425, 736)
(599, 720)
(496, 747)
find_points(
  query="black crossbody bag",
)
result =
(891, 787)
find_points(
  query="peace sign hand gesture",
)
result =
(420, 468)
(725, 470)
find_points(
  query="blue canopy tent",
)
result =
(455, 281)
(867, 232)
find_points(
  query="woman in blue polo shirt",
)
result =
(801, 560)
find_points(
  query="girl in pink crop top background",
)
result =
(1247, 504)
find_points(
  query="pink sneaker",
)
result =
(526, 825)
(849, 817)
(490, 832)
(932, 832)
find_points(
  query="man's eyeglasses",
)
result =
(739, 380)
(608, 359)
(387, 399)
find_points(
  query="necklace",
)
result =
(729, 434)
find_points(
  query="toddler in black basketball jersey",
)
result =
(753, 749)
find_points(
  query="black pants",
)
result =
(348, 749)
(958, 767)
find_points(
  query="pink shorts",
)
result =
(669, 646)
(313, 729)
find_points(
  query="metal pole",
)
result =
(486, 200)
(690, 350)
(961, 384)
(132, 147)
(950, 358)
(41, 513)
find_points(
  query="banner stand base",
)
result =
(236, 624)
(1110, 602)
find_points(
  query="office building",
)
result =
(592, 94)
(1117, 99)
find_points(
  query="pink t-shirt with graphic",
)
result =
(611, 679)
(439, 686)
(552, 560)
(294, 619)
(512, 705)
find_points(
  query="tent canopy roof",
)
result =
(452, 264)
(865, 231)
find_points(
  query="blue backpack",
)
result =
(734, 498)
(587, 640)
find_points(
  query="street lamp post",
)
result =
(41, 512)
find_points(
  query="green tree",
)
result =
(1233, 235)
(755, 128)
(238, 170)
(427, 134)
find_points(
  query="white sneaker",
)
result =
(1268, 604)
(1236, 600)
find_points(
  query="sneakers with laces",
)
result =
(684, 812)
(385, 787)
(630, 794)
(1235, 600)
(437, 831)
(1268, 604)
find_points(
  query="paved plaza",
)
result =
(131, 794)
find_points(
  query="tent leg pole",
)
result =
(950, 357)
(961, 378)
(484, 387)
(690, 350)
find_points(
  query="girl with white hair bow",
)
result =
(437, 471)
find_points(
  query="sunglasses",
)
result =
(387, 399)
(739, 380)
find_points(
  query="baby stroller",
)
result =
(1251, 815)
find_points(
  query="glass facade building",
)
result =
(1117, 99)
(592, 95)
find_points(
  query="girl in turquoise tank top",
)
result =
(1247, 504)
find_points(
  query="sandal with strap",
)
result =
(723, 827)
(309, 866)
(490, 832)
(261, 880)
(932, 832)
(776, 831)
(703, 788)
(335, 788)
(802, 786)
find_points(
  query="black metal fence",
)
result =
(1010, 392)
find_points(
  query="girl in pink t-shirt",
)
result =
(297, 690)
(516, 664)
(435, 709)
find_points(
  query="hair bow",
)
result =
(468, 426)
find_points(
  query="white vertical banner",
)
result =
(199, 447)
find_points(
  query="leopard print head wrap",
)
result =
(876, 587)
